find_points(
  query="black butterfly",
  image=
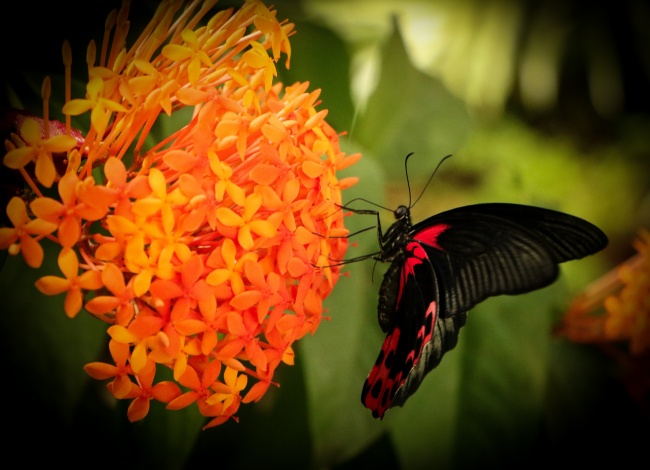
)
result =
(448, 263)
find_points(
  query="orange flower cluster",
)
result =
(628, 313)
(208, 252)
(614, 314)
(624, 297)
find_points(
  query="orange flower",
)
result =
(121, 303)
(624, 295)
(201, 252)
(19, 239)
(628, 313)
(121, 384)
(38, 151)
(72, 284)
(614, 313)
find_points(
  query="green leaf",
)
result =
(424, 432)
(504, 377)
(319, 57)
(336, 360)
(411, 112)
(339, 356)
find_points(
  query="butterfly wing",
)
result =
(455, 260)
(417, 336)
(485, 250)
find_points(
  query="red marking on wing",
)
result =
(430, 235)
(378, 390)
(429, 319)
(387, 376)
(417, 256)
(423, 336)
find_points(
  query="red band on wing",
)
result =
(402, 348)
(387, 376)
(430, 235)
(409, 265)
(380, 386)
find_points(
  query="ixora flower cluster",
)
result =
(614, 313)
(208, 253)
(616, 308)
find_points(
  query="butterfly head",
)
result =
(402, 213)
(402, 225)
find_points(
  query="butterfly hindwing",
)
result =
(417, 338)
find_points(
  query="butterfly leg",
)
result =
(380, 233)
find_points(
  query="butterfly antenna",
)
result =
(347, 205)
(406, 170)
(428, 181)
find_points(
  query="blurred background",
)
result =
(541, 102)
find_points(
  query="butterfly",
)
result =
(446, 264)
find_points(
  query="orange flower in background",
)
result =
(614, 313)
(617, 306)
(628, 313)
(204, 252)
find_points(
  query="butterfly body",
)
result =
(393, 250)
(441, 267)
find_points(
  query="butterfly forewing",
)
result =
(493, 249)
(446, 264)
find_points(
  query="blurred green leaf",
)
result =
(483, 402)
(424, 432)
(504, 377)
(337, 358)
(334, 368)
(319, 57)
(410, 112)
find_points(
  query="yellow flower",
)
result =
(248, 223)
(39, 151)
(201, 251)
(19, 239)
(72, 284)
(229, 391)
(101, 107)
